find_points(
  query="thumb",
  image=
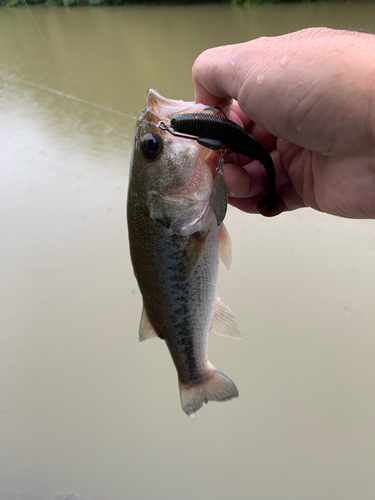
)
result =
(290, 85)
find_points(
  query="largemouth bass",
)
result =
(175, 243)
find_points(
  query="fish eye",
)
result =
(152, 146)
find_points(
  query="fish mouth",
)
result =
(163, 107)
(167, 108)
(177, 185)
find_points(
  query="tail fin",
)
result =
(216, 388)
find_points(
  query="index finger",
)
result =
(237, 115)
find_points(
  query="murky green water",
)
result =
(84, 408)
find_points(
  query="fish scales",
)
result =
(179, 297)
(174, 246)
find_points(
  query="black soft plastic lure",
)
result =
(215, 132)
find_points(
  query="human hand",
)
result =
(307, 97)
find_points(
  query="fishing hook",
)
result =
(213, 144)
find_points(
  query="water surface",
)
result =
(86, 412)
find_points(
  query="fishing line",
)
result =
(36, 24)
(356, 12)
(40, 86)
(19, 79)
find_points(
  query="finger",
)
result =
(241, 184)
(212, 80)
(249, 205)
(231, 157)
(252, 74)
(291, 199)
(251, 179)
(284, 84)
(237, 115)
(267, 140)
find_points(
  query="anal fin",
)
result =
(225, 323)
(146, 330)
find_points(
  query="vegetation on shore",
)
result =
(83, 3)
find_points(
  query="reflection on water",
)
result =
(83, 407)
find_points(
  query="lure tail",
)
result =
(271, 205)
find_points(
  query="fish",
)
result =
(175, 245)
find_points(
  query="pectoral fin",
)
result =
(225, 247)
(225, 323)
(146, 330)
